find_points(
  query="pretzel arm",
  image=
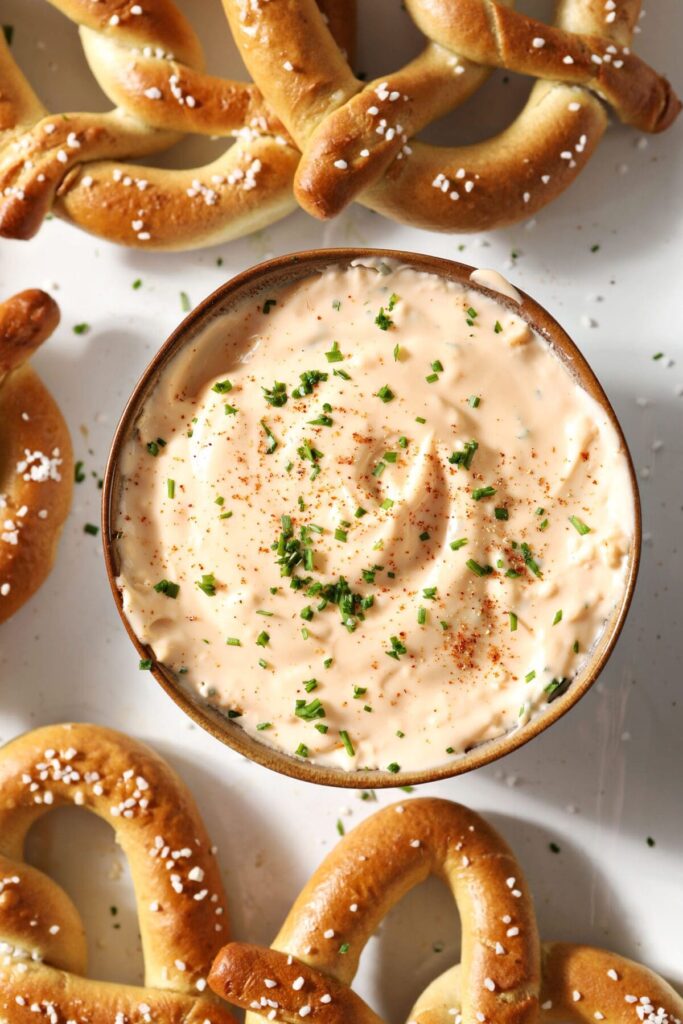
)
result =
(494, 35)
(246, 189)
(265, 980)
(34, 164)
(66, 997)
(181, 905)
(353, 147)
(472, 188)
(174, 96)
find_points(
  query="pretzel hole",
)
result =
(394, 969)
(78, 851)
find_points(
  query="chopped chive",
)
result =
(207, 584)
(379, 469)
(170, 488)
(264, 725)
(390, 456)
(261, 611)
(437, 366)
(340, 827)
(579, 525)
(81, 328)
(656, 356)
(234, 714)
(233, 641)
(383, 321)
(221, 387)
(421, 616)
(335, 354)
(420, 419)
(394, 768)
(457, 544)
(575, 647)
(271, 440)
(530, 676)
(301, 750)
(145, 664)
(429, 593)
(558, 617)
(501, 513)
(79, 474)
(262, 639)
(385, 393)
(360, 512)
(513, 622)
(402, 442)
(474, 401)
(483, 492)
(91, 529)
(137, 283)
(344, 948)
(336, 304)
(498, 327)
(307, 613)
(530, 562)
(263, 663)
(387, 504)
(309, 712)
(359, 691)
(328, 662)
(225, 515)
(346, 740)
(342, 373)
(168, 588)
(431, 378)
(424, 535)
(397, 352)
(341, 535)
(472, 313)
(185, 303)
(477, 569)
(268, 304)
(277, 395)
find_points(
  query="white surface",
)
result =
(584, 784)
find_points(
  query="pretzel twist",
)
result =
(181, 904)
(505, 975)
(36, 461)
(149, 62)
(357, 139)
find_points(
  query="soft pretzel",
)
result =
(580, 983)
(369, 871)
(181, 904)
(148, 60)
(505, 976)
(36, 462)
(357, 138)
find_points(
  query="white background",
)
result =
(600, 781)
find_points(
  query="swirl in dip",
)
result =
(373, 517)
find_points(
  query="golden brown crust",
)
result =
(368, 872)
(181, 903)
(36, 461)
(356, 140)
(148, 60)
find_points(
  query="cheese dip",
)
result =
(373, 518)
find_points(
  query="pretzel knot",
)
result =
(36, 462)
(181, 905)
(149, 62)
(505, 976)
(357, 138)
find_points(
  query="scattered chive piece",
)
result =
(137, 283)
(513, 622)
(341, 535)
(342, 373)
(344, 948)
(431, 378)
(307, 613)
(336, 304)
(310, 685)
(264, 725)
(185, 303)
(268, 304)
(498, 327)
(261, 611)
(478, 570)
(328, 662)
(359, 691)
(457, 544)
(262, 639)
(579, 525)
(334, 355)
(387, 504)
(402, 442)
(301, 750)
(221, 387)
(91, 529)
(207, 584)
(385, 393)
(575, 647)
(170, 488)
(465, 455)
(168, 588)
(421, 616)
(234, 714)
(153, 447)
(394, 768)
(233, 641)
(145, 664)
(397, 648)
(308, 712)
(360, 512)
(420, 419)
(531, 562)
(472, 313)
(540, 511)
(483, 492)
(656, 356)
(397, 352)
(81, 328)
(390, 456)
(501, 513)
(424, 535)
(544, 525)
(271, 440)
(346, 740)
(474, 401)
(401, 735)
(558, 617)
(379, 469)
(340, 827)
(79, 475)
(530, 676)
(277, 395)
(225, 515)
(383, 321)
(321, 727)
(437, 366)
(263, 663)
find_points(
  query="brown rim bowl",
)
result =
(275, 274)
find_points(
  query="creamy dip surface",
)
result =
(373, 518)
